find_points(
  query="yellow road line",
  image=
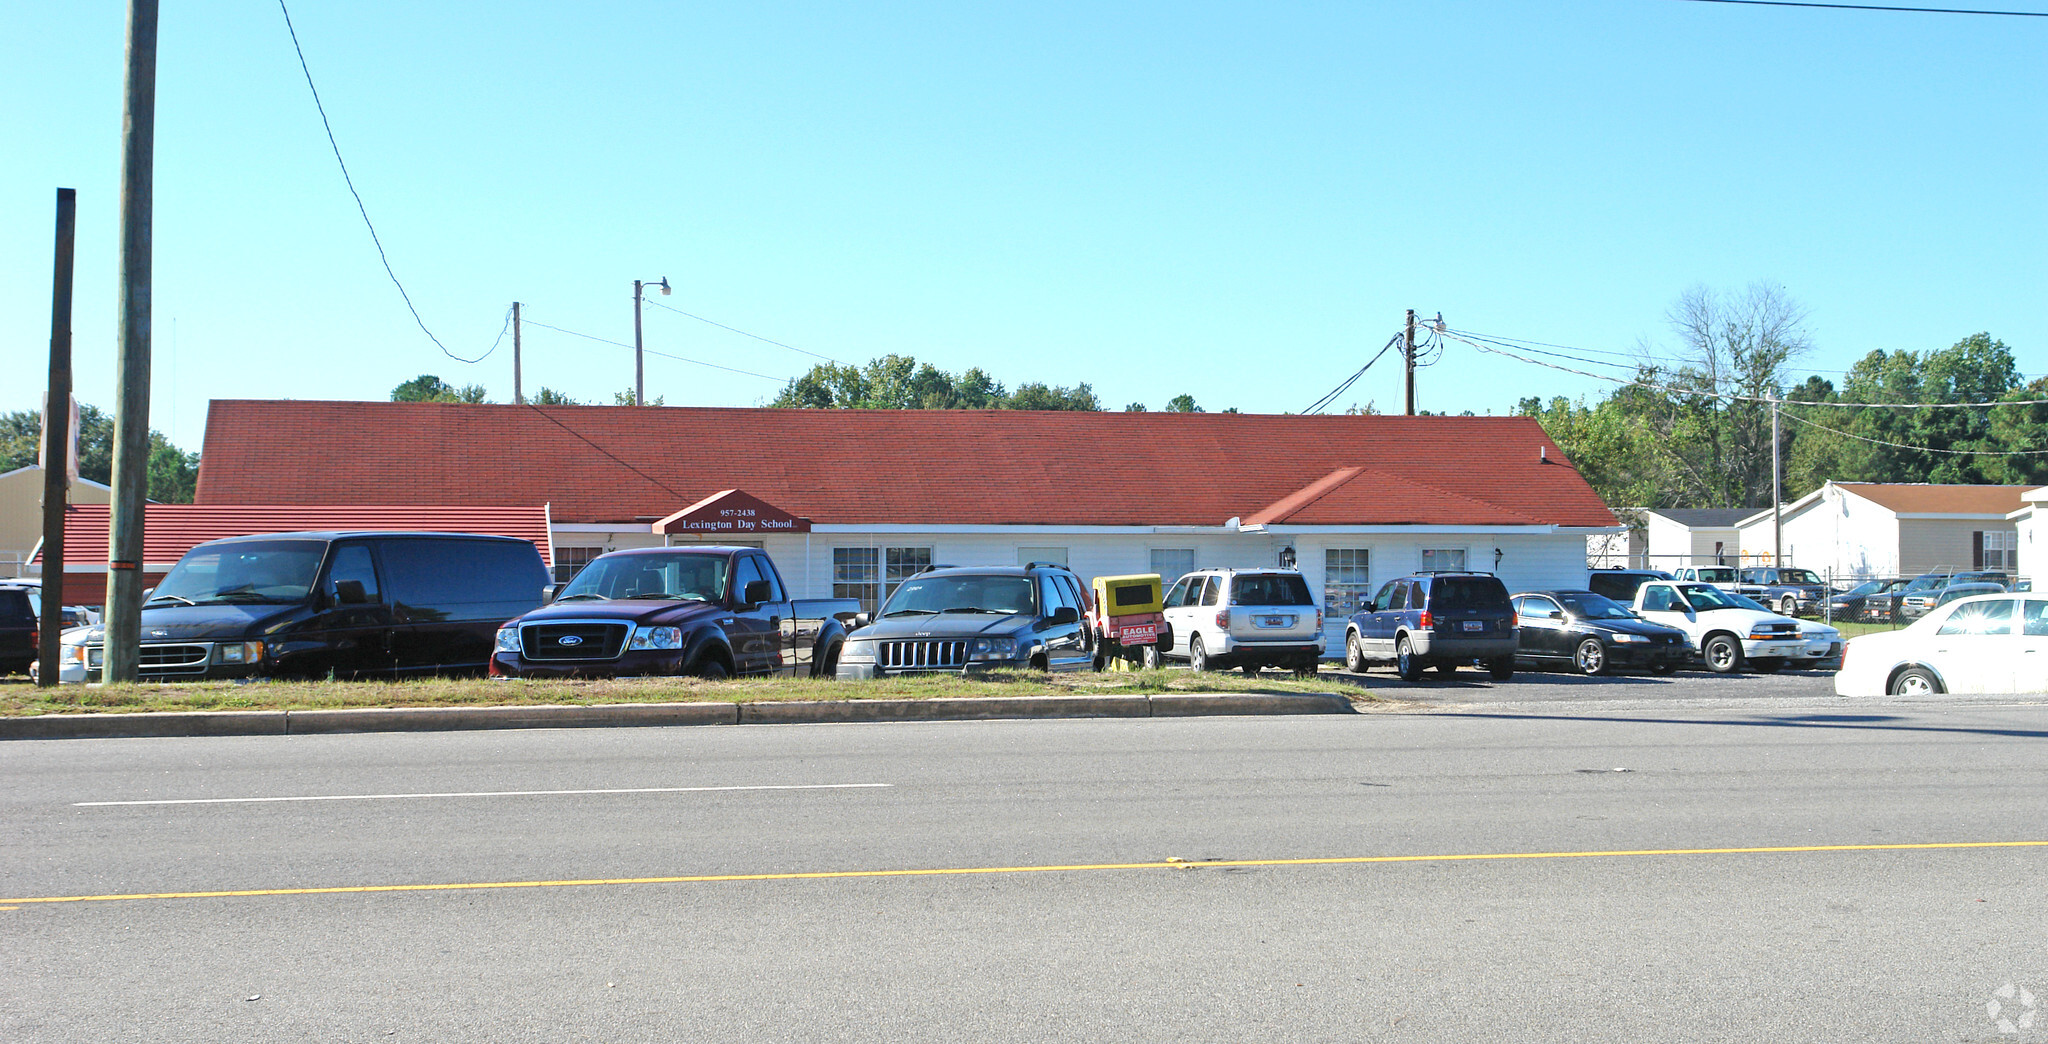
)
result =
(1169, 864)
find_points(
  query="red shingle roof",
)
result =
(917, 467)
(170, 530)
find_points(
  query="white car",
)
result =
(1986, 644)
(1822, 643)
(1248, 618)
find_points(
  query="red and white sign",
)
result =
(1138, 634)
(732, 511)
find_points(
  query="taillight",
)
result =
(1319, 619)
(1424, 621)
(1223, 619)
(1514, 620)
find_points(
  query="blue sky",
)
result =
(1235, 201)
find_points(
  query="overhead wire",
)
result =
(651, 351)
(1353, 379)
(360, 208)
(1499, 348)
(1875, 7)
(1917, 449)
(743, 333)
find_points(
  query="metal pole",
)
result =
(57, 440)
(1777, 531)
(518, 399)
(131, 417)
(639, 372)
(1408, 354)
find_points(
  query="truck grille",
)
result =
(573, 640)
(173, 659)
(923, 654)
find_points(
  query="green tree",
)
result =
(172, 474)
(1182, 403)
(1036, 396)
(625, 398)
(429, 388)
(899, 382)
(551, 397)
(1136, 407)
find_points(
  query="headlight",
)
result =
(238, 652)
(508, 640)
(858, 649)
(992, 649)
(657, 638)
(1630, 638)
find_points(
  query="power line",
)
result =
(1876, 7)
(743, 333)
(367, 223)
(1917, 449)
(1725, 396)
(1353, 379)
(615, 457)
(650, 351)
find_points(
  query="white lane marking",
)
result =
(478, 794)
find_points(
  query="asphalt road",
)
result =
(515, 905)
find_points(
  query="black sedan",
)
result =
(1874, 596)
(1594, 634)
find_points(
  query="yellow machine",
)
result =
(1128, 619)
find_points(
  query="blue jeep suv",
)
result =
(1442, 620)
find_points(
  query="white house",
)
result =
(2030, 525)
(1864, 529)
(1679, 537)
(850, 502)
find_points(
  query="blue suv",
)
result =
(1442, 620)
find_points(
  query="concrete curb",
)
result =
(630, 715)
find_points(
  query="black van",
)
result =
(311, 605)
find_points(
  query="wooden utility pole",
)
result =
(518, 399)
(1777, 497)
(1408, 357)
(57, 440)
(123, 643)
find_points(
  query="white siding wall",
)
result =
(2033, 556)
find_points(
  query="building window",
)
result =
(570, 560)
(2000, 550)
(1055, 555)
(1347, 581)
(1172, 563)
(871, 574)
(1443, 559)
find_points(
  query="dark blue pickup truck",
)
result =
(1791, 592)
(710, 611)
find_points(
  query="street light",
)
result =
(639, 368)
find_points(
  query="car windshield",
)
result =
(247, 571)
(1596, 607)
(1270, 589)
(676, 578)
(1864, 588)
(1924, 583)
(961, 593)
(1704, 598)
(1798, 576)
(1718, 575)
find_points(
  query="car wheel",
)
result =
(1354, 654)
(1767, 664)
(828, 668)
(710, 668)
(1198, 657)
(1150, 657)
(1405, 663)
(1916, 681)
(1723, 654)
(1788, 606)
(1591, 657)
(1501, 670)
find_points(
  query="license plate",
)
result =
(1275, 621)
(1474, 625)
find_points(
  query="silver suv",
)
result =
(1247, 618)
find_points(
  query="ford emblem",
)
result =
(569, 639)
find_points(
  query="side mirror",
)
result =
(1555, 614)
(350, 592)
(547, 594)
(758, 591)
(863, 619)
(1065, 614)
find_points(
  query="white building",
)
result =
(2030, 527)
(850, 502)
(1863, 529)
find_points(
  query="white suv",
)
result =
(1248, 618)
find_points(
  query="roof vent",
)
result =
(1542, 454)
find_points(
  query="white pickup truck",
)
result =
(1727, 629)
